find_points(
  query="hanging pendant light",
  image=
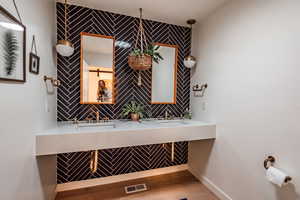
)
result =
(190, 61)
(65, 47)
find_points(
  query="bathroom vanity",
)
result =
(100, 84)
(68, 137)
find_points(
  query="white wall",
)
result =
(249, 54)
(23, 111)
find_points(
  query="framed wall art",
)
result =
(34, 63)
(12, 48)
(34, 59)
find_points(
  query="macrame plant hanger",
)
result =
(141, 34)
(140, 61)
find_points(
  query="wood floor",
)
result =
(174, 186)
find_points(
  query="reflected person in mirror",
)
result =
(103, 94)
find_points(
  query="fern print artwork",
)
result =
(10, 47)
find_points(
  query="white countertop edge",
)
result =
(65, 143)
(61, 130)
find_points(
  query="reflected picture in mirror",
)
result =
(97, 69)
(164, 75)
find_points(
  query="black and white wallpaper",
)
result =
(74, 166)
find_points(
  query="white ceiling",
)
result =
(97, 45)
(169, 11)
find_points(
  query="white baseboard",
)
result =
(119, 178)
(215, 189)
(212, 187)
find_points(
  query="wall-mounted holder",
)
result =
(199, 90)
(54, 82)
(268, 162)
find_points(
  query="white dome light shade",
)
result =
(65, 48)
(12, 26)
(190, 62)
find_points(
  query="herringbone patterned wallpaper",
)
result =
(75, 166)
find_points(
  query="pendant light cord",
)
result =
(66, 16)
(16, 7)
(141, 27)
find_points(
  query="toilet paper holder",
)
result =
(269, 162)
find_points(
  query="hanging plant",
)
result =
(152, 50)
(141, 59)
(10, 52)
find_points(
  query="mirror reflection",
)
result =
(97, 69)
(164, 75)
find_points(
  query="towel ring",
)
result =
(269, 162)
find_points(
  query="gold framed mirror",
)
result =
(164, 75)
(97, 71)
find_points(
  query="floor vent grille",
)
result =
(135, 188)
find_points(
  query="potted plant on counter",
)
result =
(135, 111)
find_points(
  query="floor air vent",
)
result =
(135, 188)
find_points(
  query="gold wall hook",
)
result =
(199, 90)
(54, 82)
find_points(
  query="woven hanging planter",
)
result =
(144, 61)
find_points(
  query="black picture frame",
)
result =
(34, 63)
(9, 16)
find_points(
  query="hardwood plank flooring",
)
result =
(173, 186)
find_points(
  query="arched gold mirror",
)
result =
(97, 69)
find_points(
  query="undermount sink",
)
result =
(166, 122)
(98, 124)
(170, 121)
(129, 124)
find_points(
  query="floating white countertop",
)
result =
(67, 138)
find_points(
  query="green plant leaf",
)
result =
(133, 107)
(159, 56)
(150, 50)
